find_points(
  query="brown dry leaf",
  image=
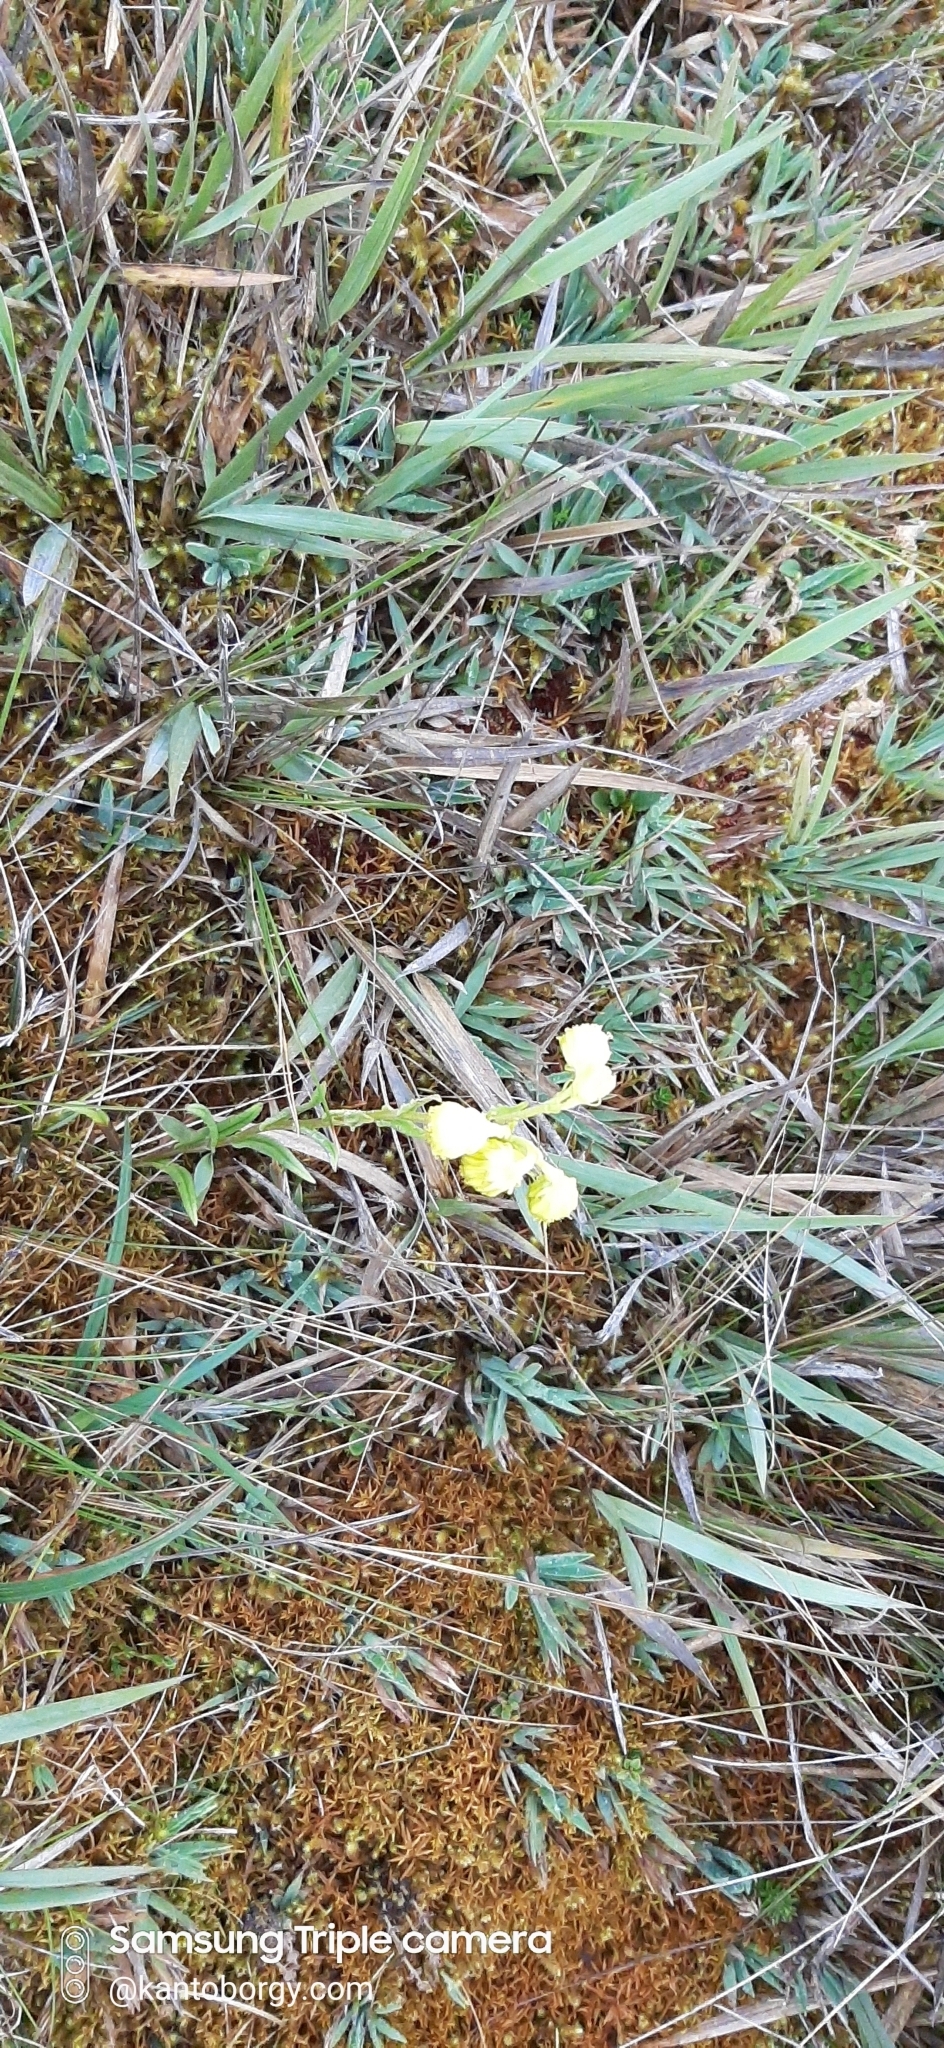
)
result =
(113, 28)
(104, 933)
(226, 418)
(199, 277)
(438, 1026)
(129, 149)
(750, 732)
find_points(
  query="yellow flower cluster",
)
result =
(493, 1161)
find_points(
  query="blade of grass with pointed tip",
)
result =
(724, 1557)
(831, 633)
(739, 1665)
(19, 481)
(762, 309)
(813, 1400)
(806, 440)
(31, 1723)
(91, 1339)
(660, 203)
(74, 1578)
(815, 329)
(70, 349)
(240, 470)
(829, 477)
(39, 1878)
(545, 225)
(8, 346)
(314, 37)
(236, 210)
(312, 529)
(368, 257)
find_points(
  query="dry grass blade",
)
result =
(129, 149)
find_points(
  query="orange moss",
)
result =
(396, 1822)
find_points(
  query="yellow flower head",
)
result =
(497, 1167)
(452, 1129)
(552, 1195)
(585, 1049)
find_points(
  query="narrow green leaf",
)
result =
(240, 470)
(740, 1666)
(19, 481)
(32, 1722)
(235, 210)
(868, 2023)
(294, 211)
(183, 739)
(314, 37)
(829, 476)
(756, 1428)
(661, 203)
(724, 1557)
(367, 259)
(183, 1181)
(535, 236)
(758, 312)
(327, 1004)
(48, 1585)
(8, 346)
(812, 1399)
(843, 626)
(312, 529)
(34, 1880)
(815, 329)
(70, 349)
(93, 1332)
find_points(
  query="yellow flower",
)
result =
(585, 1049)
(452, 1129)
(497, 1167)
(552, 1195)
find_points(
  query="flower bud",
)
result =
(585, 1050)
(552, 1195)
(496, 1168)
(452, 1129)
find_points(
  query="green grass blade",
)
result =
(31, 1723)
(8, 346)
(739, 1564)
(70, 349)
(815, 330)
(311, 529)
(661, 203)
(315, 37)
(548, 223)
(19, 481)
(811, 1399)
(760, 311)
(367, 259)
(833, 632)
(93, 1332)
(236, 210)
(74, 1577)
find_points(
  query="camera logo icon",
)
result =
(74, 1964)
